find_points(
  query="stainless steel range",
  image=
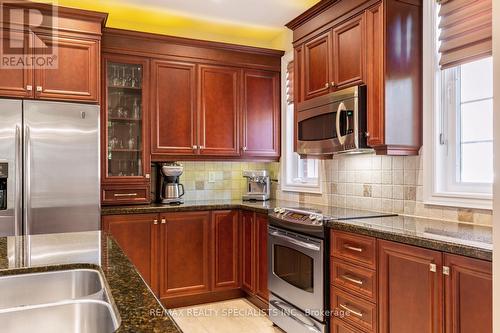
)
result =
(297, 260)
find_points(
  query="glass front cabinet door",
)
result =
(125, 163)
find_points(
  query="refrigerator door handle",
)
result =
(27, 180)
(18, 207)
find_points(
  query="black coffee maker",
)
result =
(169, 189)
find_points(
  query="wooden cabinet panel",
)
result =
(173, 105)
(362, 314)
(218, 111)
(184, 253)
(225, 226)
(338, 326)
(355, 248)
(77, 74)
(468, 295)
(317, 66)
(375, 75)
(410, 293)
(15, 82)
(137, 235)
(348, 53)
(248, 251)
(261, 255)
(355, 279)
(261, 114)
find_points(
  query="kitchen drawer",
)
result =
(357, 249)
(355, 279)
(339, 326)
(360, 313)
(114, 195)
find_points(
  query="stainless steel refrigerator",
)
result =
(49, 167)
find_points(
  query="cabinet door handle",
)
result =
(433, 268)
(327, 85)
(351, 279)
(163, 221)
(39, 89)
(29, 88)
(118, 195)
(332, 84)
(244, 148)
(202, 147)
(155, 221)
(354, 312)
(195, 147)
(446, 270)
(353, 248)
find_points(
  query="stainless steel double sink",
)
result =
(58, 301)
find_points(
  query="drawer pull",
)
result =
(118, 195)
(354, 312)
(353, 248)
(353, 280)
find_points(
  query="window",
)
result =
(458, 118)
(298, 175)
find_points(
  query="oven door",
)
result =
(296, 270)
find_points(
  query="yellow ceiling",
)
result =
(153, 19)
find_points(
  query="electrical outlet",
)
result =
(212, 175)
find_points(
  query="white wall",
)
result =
(496, 187)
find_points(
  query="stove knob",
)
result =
(312, 217)
(282, 210)
(277, 210)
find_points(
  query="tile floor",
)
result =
(231, 316)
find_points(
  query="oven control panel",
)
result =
(299, 216)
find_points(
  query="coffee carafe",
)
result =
(171, 190)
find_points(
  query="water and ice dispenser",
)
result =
(4, 173)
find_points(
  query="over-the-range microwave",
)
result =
(333, 124)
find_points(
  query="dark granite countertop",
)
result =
(139, 309)
(451, 237)
(258, 206)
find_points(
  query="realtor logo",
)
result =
(27, 35)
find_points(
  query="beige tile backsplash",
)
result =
(382, 183)
(216, 180)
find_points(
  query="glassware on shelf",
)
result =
(113, 143)
(136, 108)
(131, 143)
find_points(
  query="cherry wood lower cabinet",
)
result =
(422, 291)
(225, 249)
(410, 289)
(468, 295)
(254, 256)
(196, 257)
(137, 235)
(184, 253)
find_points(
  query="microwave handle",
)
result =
(341, 109)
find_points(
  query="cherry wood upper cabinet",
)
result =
(317, 66)
(468, 295)
(77, 74)
(225, 226)
(173, 108)
(70, 72)
(16, 82)
(349, 53)
(410, 289)
(184, 253)
(218, 131)
(261, 114)
(248, 238)
(374, 43)
(137, 235)
(261, 256)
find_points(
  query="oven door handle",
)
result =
(286, 310)
(294, 241)
(340, 137)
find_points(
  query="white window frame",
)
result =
(435, 192)
(287, 166)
